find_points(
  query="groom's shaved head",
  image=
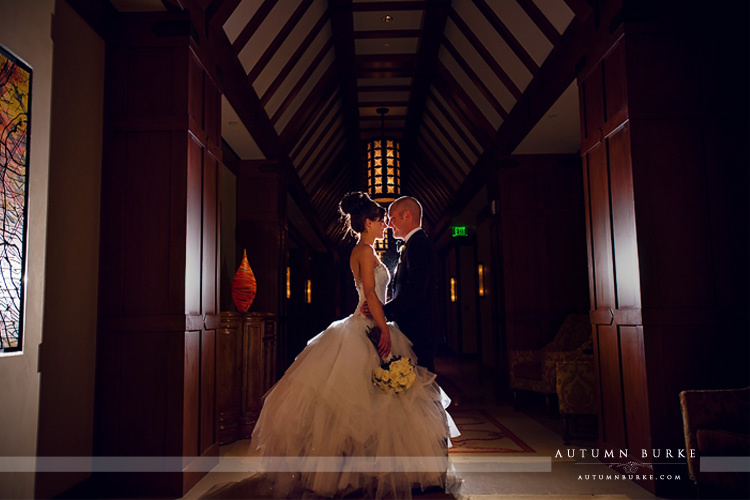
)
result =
(408, 204)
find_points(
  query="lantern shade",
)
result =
(383, 165)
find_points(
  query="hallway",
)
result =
(492, 433)
(572, 157)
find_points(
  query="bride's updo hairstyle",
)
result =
(357, 207)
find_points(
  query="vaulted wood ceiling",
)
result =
(465, 82)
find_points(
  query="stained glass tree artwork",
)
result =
(15, 100)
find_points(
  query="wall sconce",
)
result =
(288, 282)
(308, 292)
(453, 289)
(480, 279)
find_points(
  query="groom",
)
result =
(414, 292)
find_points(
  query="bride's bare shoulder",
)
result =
(362, 250)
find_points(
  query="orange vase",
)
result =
(244, 286)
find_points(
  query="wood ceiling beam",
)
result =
(292, 95)
(219, 11)
(433, 26)
(252, 26)
(342, 26)
(389, 6)
(318, 96)
(506, 35)
(555, 75)
(380, 34)
(315, 127)
(449, 137)
(443, 171)
(282, 35)
(475, 79)
(292, 62)
(387, 104)
(459, 130)
(446, 154)
(213, 45)
(384, 88)
(455, 95)
(326, 187)
(486, 55)
(317, 161)
(541, 21)
(580, 8)
(386, 73)
(435, 178)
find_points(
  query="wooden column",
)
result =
(664, 300)
(158, 304)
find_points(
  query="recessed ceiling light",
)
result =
(387, 18)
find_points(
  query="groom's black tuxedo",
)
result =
(414, 297)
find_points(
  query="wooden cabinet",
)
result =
(247, 370)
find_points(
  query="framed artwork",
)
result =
(15, 107)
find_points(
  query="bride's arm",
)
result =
(366, 260)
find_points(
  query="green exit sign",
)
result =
(459, 231)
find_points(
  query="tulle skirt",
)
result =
(325, 429)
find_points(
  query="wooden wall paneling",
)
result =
(196, 99)
(612, 433)
(191, 390)
(591, 91)
(178, 225)
(112, 236)
(158, 314)
(228, 377)
(637, 416)
(601, 229)
(542, 220)
(146, 282)
(194, 236)
(210, 243)
(625, 240)
(616, 93)
(207, 372)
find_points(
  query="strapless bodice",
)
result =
(382, 277)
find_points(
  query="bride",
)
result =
(325, 428)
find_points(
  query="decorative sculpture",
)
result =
(244, 286)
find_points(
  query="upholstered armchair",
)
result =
(716, 423)
(535, 370)
(576, 393)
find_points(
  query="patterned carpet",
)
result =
(481, 433)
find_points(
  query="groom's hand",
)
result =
(365, 309)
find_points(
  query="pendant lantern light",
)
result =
(383, 165)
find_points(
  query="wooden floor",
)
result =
(496, 435)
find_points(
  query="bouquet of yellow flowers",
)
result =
(396, 374)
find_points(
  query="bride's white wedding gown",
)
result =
(326, 417)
